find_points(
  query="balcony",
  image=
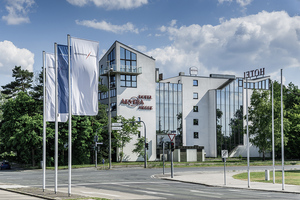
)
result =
(121, 69)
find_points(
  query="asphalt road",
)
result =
(135, 183)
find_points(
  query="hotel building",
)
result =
(199, 110)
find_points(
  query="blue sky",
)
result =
(216, 36)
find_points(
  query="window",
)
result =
(128, 60)
(128, 81)
(195, 109)
(111, 58)
(112, 81)
(196, 135)
(195, 82)
(195, 95)
(113, 106)
(195, 121)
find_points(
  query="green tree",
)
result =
(220, 137)
(21, 129)
(139, 147)
(37, 92)
(179, 137)
(260, 116)
(22, 82)
(124, 136)
(236, 125)
(292, 107)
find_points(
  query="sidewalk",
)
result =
(216, 178)
(32, 193)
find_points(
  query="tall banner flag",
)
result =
(50, 90)
(84, 64)
(63, 78)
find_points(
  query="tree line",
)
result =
(260, 122)
(21, 127)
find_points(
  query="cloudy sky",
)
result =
(216, 36)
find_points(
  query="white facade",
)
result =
(135, 94)
(145, 88)
(202, 95)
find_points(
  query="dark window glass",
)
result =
(128, 60)
(128, 55)
(122, 53)
(196, 135)
(195, 121)
(195, 109)
(112, 81)
(195, 82)
(113, 106)
(133, 56)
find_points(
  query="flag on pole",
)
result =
(63, 78)
(50, 90)
(84, 63)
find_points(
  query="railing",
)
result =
(122, 68)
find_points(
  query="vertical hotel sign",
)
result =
(137, 101)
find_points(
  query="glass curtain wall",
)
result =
(230, 116)
(169, 108)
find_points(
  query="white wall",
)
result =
(145, 86)
(206, 114)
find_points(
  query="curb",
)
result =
(224, 186)
(28, 194)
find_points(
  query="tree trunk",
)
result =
(32, 157)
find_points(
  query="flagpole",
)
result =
(282, 139)
(44, 122)
(273, 142)
(56, 120)
(70, 119)
(248, 153)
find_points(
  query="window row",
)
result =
(128, 81)
(126, 54)
(264, 85)
(104, 95)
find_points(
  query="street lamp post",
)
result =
(145, 158)
(109, 116)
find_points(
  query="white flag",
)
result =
(50, 90)
(84, 64)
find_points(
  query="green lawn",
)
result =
(291, 177)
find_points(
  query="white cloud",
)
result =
(103, 25)
(11, 56)
(222, 1)
(242, 3)
(17, 11)
(270, 40)
(111, 4)
(141, 48)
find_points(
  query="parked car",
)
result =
(5, 165)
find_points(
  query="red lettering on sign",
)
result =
(145, 107)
